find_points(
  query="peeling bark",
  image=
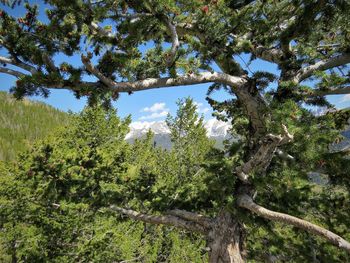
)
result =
(225, 240)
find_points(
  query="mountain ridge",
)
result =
(216, 130)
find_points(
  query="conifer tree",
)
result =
(188, 135)
(280, 140)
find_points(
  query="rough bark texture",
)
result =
(225, 240)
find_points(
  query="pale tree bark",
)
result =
(248, 203)
(322, 65)
(153, 83)
(261, 159)
(225, 240)
(175, 43)
(169, 220)
(331, 91)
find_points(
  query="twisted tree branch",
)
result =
(151, 83)
(169, 220)
(331, 91)
(247, 202)
(12, 72)
(174, 40)
(18, 63)
(95, 27)
(262, 158)
(322, 65)
(194, 217)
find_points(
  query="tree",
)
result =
(49, 201)
(188, 136)
(307, 40)
(54, 202)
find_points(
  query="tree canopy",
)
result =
(234, 200)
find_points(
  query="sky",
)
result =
(149, 105)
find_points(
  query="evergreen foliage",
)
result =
(255, 201)
(66, 183)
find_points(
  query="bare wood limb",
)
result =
(131, 16)
(247, 202)
(273, 55)
(174, 42)
(95, 27)
(270, 54)
(190, 79)
(151, 83)
(18, 63)
(169, 220)
(286, 136)
(263, 156)
(331, 91)
(285, 156)
(12, 72)
(322, 65)
(255, 106)
(200, 219)
(87, 63)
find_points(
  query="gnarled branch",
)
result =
(12, 72)
(18, 63)
(263, 156)
(95, 27)
(87, 63)
(331, 91)
(169, 220)
(174, 42)
(194, 217)
(151, 83)
(273, 55)
(322, 65)
(247, 202)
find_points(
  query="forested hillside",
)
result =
(24, 121)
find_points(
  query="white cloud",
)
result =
(345, 98)
(198, 104)
(154, 115)
(200, 108)
(205, 110)
(158, 106)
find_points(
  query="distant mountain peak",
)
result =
(217, 130)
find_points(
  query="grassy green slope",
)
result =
(22, 122)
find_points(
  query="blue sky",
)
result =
(150, 105)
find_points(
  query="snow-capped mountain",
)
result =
(140, 128)
(216, 130)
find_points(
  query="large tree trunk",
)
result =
(225, 240)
